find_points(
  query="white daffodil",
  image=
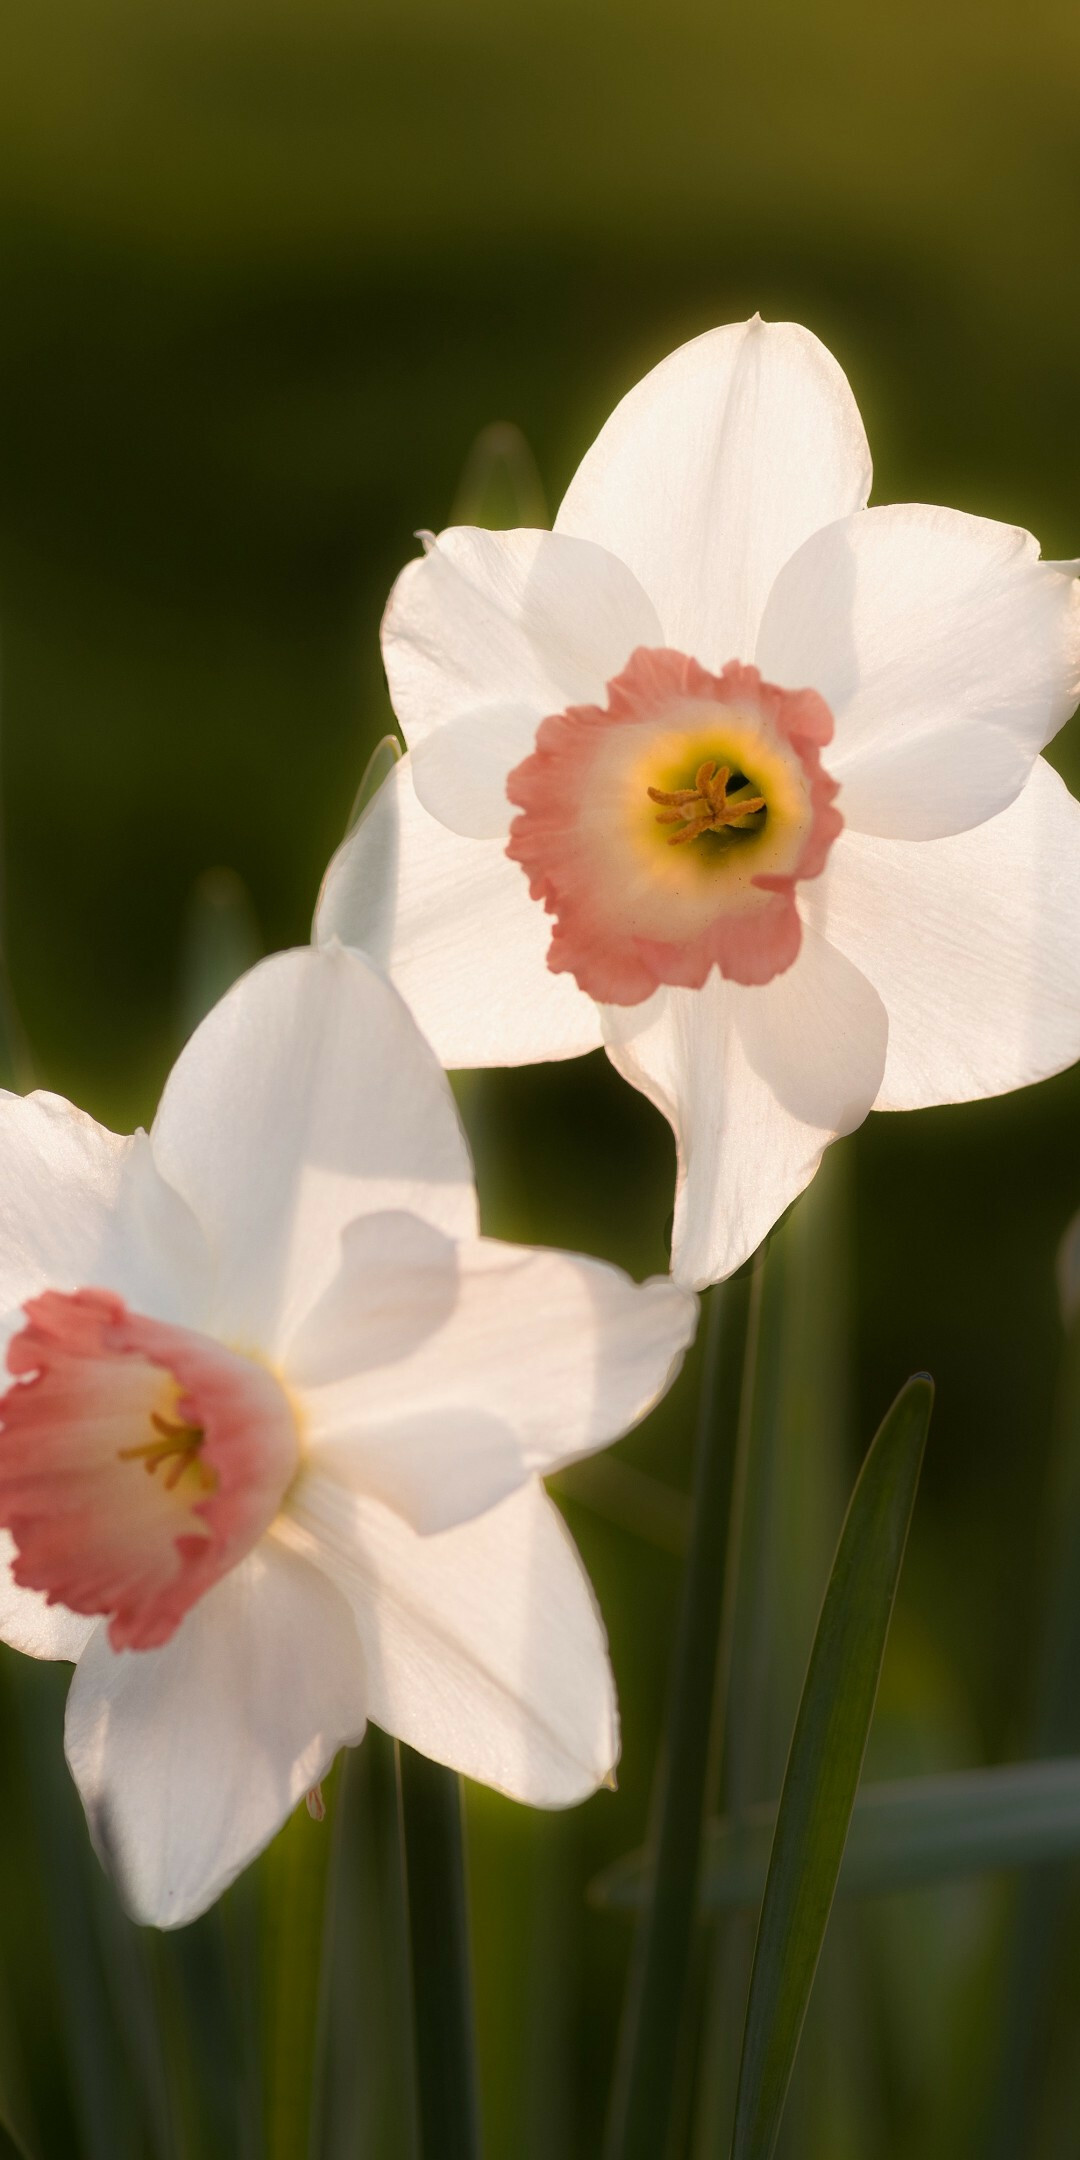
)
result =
(271, 1450)
(737, 778)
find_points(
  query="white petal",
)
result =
(452, 923)
(29, 1624)
(483, 1646)
(189, 1758)
(307, 1097)
(539, 1358)
(82, 1208)
(460, 770)
(396, 1283)
(949, 655)
(714, 469)
(973, 944)
(756, 1083)
(522, 619)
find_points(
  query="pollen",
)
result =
(707, 806)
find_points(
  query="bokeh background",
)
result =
(267, 270)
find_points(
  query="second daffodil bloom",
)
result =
(737, 778)
(275, 1422)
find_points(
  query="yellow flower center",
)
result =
(712, 805)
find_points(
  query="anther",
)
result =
(706, 807)
(178, 1445)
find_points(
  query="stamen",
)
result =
(179, 1442)
(706, 807)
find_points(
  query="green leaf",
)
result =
(823, 1769)
(364, 2081)
(293, 1875)
(500, 486)
(644, 2083)
(646, 1506)
(797, 1486)
(220, 942)
(433, 1846)
(902, 1835)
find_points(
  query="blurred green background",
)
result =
(266, 270)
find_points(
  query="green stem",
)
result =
(295, 1877)
(433, 1849)
(797, 1455)
(647, 2063)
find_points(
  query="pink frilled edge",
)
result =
(594, 937)
(104, 1532)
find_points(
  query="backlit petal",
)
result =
(483, 1646)
(189, 1758)
(452, 923)
(714, 469)
(81, 1207)
(948, 653)
(29, 1624)
(756, 1083)
(307, 1097)
(395, 1286)
(973, 944)
(537, 1358)
(460, 770)
(525, 619)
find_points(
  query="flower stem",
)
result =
(647, 2063)
(294, 1881)
(433, 1852)
(798, 1453)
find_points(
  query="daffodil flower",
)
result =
(274, 1429)
(737, 778)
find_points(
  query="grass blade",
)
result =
(797, 1486)
(500, 485)
(220, 941)
(432, 1833)
(902, 1836)
(646, 2069)
(106, 2100)
(294, 1876)
(214, 2107)
(364, 2081)
(826, 1756)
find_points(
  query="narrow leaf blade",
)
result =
(644, 2082)
(903, 1835)
(221, 940)
(500, 485)
(824, 1765)
(433, 1849)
